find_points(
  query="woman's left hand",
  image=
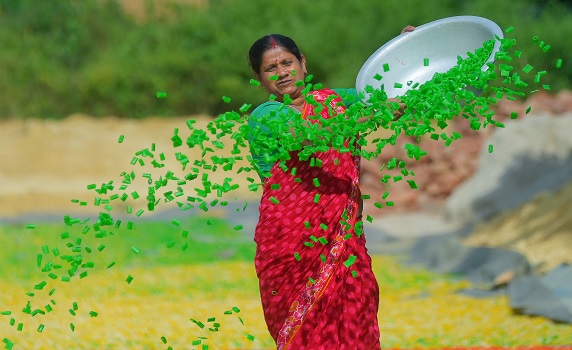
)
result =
(397, 113)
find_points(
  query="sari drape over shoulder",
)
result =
(317, 287)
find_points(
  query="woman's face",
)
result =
(288, 70)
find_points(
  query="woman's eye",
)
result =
(287, 63)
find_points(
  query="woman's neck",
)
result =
(296, 103)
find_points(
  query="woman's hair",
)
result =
(268, 42)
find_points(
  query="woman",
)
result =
(317, 287)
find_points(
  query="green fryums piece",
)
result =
(350, 261)
(8, 344)
(386, 67)
(121, 138)
(528, 68)
(426, 62)
(245, 107)
(412, 184)
(316, 182)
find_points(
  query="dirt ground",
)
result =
(48, 163)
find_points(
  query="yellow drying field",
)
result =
(418, 309)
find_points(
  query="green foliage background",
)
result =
(87, 56)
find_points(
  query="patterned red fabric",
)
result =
(311, 300)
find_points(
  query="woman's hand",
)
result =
(408, 29)
(397, 112)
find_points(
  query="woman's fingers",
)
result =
(408, 29)
(399, 111)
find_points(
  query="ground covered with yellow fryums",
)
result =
(418, 309)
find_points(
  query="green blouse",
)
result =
(271, 109)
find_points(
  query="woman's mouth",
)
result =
(284, 82)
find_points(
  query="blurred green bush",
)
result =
(88, 56)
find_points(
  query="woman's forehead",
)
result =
(276, 54)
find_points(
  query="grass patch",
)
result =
(171, 286)
(197, 240)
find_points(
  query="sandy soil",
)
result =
(48, 163)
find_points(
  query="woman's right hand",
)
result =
(408, 29)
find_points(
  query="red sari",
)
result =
(312, 296)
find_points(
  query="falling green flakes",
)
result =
(350, 261)
(439, 98)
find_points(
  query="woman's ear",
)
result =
(303, 64)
